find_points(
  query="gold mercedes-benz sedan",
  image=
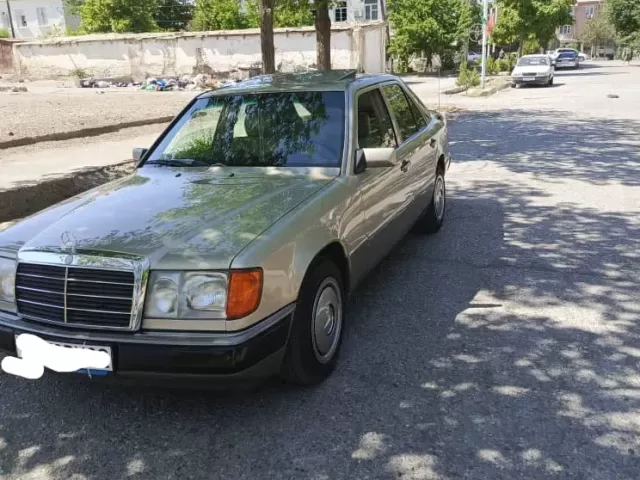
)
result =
(230, 252)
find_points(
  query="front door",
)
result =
(384, 191)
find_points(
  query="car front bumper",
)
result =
(537, 80)
(566, 64)
(216, 358)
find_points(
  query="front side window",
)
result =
(375, 129)
(401, 109)
(292, 129)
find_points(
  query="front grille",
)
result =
(75, 296)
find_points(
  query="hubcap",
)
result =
(439, 197)
(327, 320)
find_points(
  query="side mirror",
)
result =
(375, 158)
(138, 153)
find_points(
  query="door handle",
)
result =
(404, 166)
(432, 143)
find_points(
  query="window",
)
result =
(289, 129)
(371, 9)
(4, 21)
(21, 18)
(375, 129)
(590, 11)
(401, 108)
(566, 29)
(340, 12)
(41, 13)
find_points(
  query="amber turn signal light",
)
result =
(245, 291)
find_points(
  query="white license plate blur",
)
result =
(98, 348)
(528, 79)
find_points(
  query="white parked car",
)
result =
(533, 70)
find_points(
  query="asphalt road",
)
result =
(507, 346)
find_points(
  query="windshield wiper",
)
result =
(180, 162)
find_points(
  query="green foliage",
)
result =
(174, 15)
(519, 19)
(4, 33)
(218, 15)
(468, 77)
(287, 13)
(504, 65)
(531, 46)
(73, 7)
(119, 16)
(492, 66)
(624, 15)
(426, 27)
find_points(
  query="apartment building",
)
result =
(356, 11)
(583, 10)
(32, 18)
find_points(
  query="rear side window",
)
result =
(375, 129)
(402, 110)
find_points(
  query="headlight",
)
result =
(203, 295)
(7, 280)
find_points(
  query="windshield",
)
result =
(533, 61)
(567, 55)
(291, 129)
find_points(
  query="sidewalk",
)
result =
(22, 166)
(35, 177)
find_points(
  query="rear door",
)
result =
(417, 150)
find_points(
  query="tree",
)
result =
(425, 26)
(103, 16)
(519, 19)
(174, 15)
(218, 15)
(287, 13)
(323, 34)
(598, 31)
(266, 36)
(625, 17)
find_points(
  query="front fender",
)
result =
(286, 250)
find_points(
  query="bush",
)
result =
(447, 61)
(504, 65)
(467, 78)
(492, 66)
(4, 33)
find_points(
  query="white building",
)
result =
(355, 11)
(33, 18)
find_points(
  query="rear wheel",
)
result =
(316, 333)
(433, 217)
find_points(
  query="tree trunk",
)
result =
(323, 35)
(520, 47)
(266, 36)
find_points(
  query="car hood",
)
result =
(175, 217)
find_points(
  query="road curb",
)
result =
(28, 199)
(84, 132)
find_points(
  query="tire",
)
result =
(513, 85)
(310, 359)
(433, 217)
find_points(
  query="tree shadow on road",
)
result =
(552, 144)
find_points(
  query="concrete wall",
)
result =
(143, 55)
(26, 20)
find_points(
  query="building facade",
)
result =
(33, 18)
(583, 11)
(357, 11)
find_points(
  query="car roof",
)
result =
(331, 80)
(535, 55)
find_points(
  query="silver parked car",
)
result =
(231, 250)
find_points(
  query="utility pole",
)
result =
(13, 31)
(485, 13)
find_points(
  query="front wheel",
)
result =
(433, 217)
(317, 329)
